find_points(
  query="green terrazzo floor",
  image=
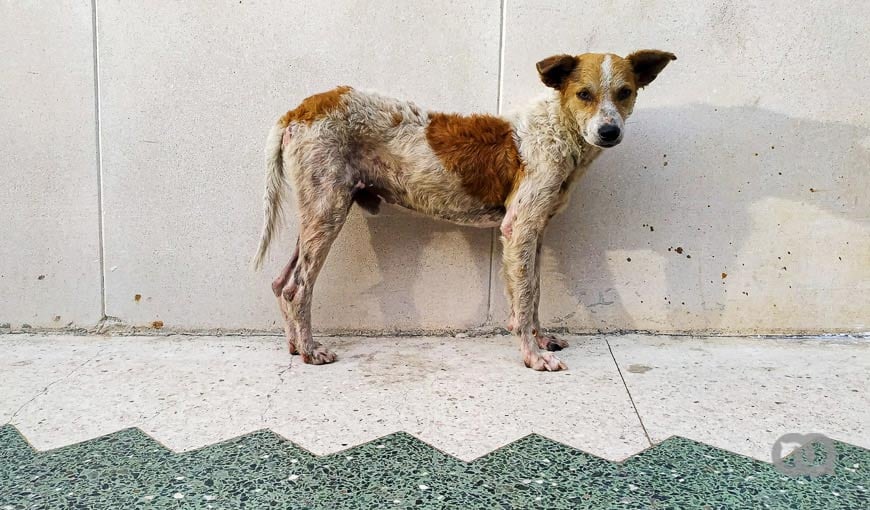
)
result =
(128, 469)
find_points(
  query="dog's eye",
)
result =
(623, 94)
(585, 95)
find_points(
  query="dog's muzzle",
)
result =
(609, 134)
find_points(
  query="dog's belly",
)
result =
(445, 202)
(486, 217)
(422, 185)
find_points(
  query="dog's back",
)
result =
(458, 168)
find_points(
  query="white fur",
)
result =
(607, 113)
(606, 73)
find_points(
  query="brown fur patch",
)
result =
(481, 149)
(314, 107)
(587, 75)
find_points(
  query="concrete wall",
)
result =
(749, 154)
(49, 205)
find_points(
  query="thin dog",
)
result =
(346, 146)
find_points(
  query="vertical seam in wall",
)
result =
(501, 38)
(489, 277)
(99, 159)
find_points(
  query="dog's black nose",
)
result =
(608, 132)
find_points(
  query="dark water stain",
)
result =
(638, 369)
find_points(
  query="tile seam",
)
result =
(628, 392)
(99, 159)
(498, 105)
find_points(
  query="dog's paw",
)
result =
(320, 355)
(291, 346)
(544, 361)
(551, 342)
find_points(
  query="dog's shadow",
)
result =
(417, 274)
(718, 219)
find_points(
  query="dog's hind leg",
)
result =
(278, 283)
(277, 286)
(289, 324)
(322, 213)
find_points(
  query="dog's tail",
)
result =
(274, 191)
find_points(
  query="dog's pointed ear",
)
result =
(647, 64)
(553, 70)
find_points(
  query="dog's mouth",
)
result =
(606, 145)
(603, 144)
(593, 139)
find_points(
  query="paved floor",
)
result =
(464, 396)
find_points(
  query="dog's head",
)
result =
(599, 89)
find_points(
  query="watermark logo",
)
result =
(815, 455)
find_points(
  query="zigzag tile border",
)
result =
(129, 469)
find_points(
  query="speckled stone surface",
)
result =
(741, 394)
(128, 469)
(465, 396)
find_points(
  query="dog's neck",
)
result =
(545, 130)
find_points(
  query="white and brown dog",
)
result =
(346, 146)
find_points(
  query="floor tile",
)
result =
(33, 365)
(188, 392)
(261, 470)
(466, 396)
(742, 394)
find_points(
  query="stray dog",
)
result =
(345, 146)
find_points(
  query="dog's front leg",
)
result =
(548, 342)
(520, 254)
